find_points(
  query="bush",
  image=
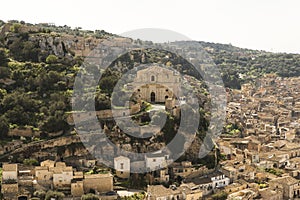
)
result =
(54, 194)
(31, 162)
(40, 194)
(220, 196)
(51, 59)
(15, 28)
(89, 197)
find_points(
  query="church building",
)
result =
(156, 84)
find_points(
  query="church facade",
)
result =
(156, 84)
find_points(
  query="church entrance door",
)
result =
(152, 97)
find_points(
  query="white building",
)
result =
(209, 182)
(219, 181)
(122, 166)
(156, 161)
(10, 172)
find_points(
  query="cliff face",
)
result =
(60, 41)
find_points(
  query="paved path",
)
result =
(124, 193)
(157, 107)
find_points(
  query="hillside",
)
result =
(38, 64)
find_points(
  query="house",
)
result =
(122, 166)
(270, 194)
(98, 182)
(191, 194)
(210, 182)
(155, 161)
(159, 176)
(9, 173)
(186, 168)
(230, 172)
(77, 189)
(48, 163)
(43, 173)
(159, 192)
(288, 185)
(9, 187)
(62, 176)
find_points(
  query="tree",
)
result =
(4, 127)
(55, 123)
(3, 58)
(3, 93)
(24, 50)
(4, 72)
(107, 83)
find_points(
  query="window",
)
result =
(122, 165)
(154, 160)
(152, 78)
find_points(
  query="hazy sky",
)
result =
(272, 25)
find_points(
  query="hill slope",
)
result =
(38, 64)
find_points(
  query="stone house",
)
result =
(43, 173)
(98, 182)
(62, 176)
(77, 189)
(186, 168)
(159, 192)
(48, 163)
(270, 194)
(230, 172)
(288, 185)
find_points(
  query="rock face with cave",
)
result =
(156, 84)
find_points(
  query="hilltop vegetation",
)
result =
(239, 65)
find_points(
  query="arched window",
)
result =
(152, 78)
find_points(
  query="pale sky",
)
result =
(272, 25)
